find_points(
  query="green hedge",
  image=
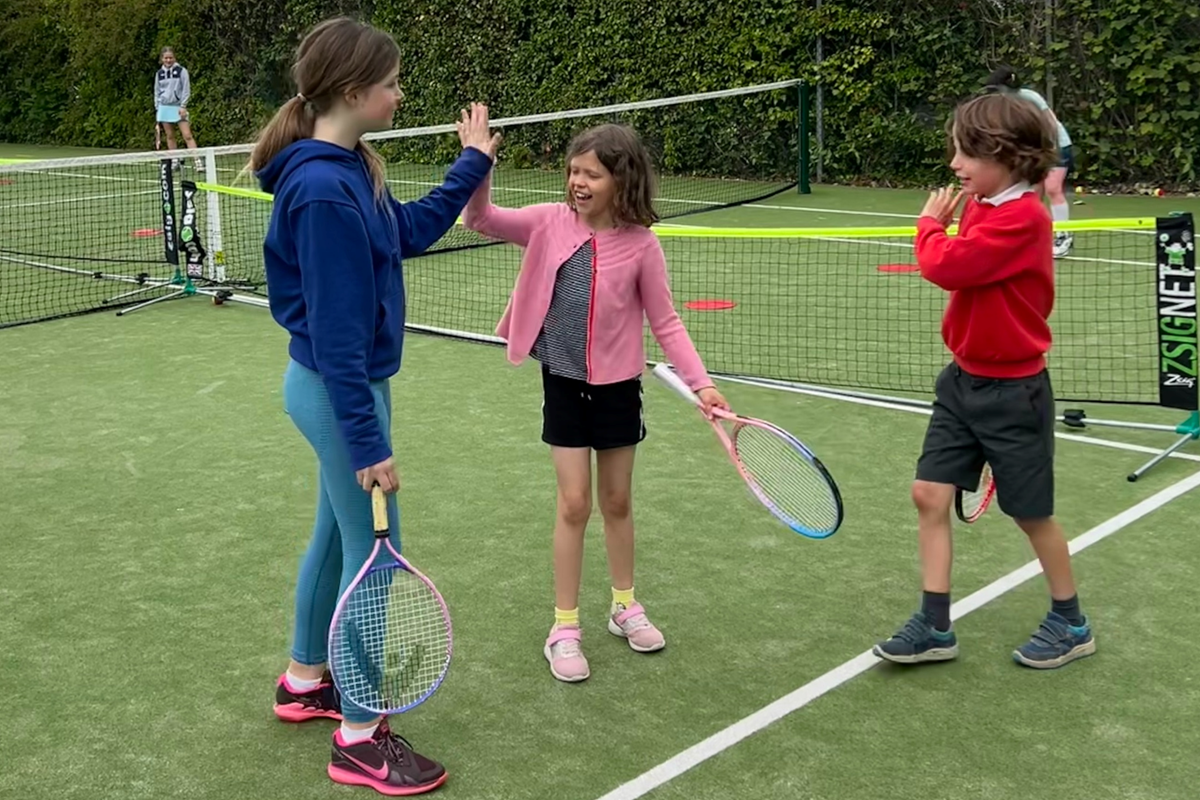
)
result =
(1125, 76)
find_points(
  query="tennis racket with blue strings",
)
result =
(782, 474)
(390, 640)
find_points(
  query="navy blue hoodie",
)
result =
(334, 278)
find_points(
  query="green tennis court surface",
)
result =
(157, 500)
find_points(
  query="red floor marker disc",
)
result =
(709, 305)
(899, 268)
(145, 233)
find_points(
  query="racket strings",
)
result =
(391, 645)
(788, 479)
(972, 500)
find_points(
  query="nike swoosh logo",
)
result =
(378, 773)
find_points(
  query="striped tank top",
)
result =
(562, 344)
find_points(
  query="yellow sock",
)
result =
(623, 597)
(562, 617)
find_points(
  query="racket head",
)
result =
(390, 640)
(971, 505)
(787, 477)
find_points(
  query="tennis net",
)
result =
(847, 307)
(79, 235)
(836, 307)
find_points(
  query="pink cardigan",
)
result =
(629, 279)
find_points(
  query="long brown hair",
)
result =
(337, 57)
(1007, 129)
(621, 151)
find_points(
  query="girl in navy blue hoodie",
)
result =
(333, 255)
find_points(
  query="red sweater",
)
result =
(999, 271)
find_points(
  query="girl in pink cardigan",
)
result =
(591, 272)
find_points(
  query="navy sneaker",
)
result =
(1056, 642)
(917, 641)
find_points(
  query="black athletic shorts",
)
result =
(578, 414)
(1009, 423)
(1066, 159)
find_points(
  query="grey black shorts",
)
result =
(1009, 423)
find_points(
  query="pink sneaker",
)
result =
(631, 624)
(565, 655)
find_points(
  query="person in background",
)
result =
(1004, 78)
(172, 89)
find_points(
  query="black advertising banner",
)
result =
(1175, 281)
(166, 185)
(189, 232)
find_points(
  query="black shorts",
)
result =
(578, 414)
(1066, 159)
(1009, 423)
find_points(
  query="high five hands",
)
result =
(473, 130)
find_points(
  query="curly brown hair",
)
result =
(622, 152)
(1008, 129)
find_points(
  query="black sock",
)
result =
(1068, 609)
(936, 608)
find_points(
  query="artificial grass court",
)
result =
(156, 502)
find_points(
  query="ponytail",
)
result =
(336, 57)
(291, 123)
(295, 121)
(375, 165)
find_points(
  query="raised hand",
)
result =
(942, 204)
(473, 130)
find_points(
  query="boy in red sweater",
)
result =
(994, 402)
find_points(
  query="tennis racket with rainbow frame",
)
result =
(782, 474)
(390, 640)
(971, 504)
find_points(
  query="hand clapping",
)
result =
(942, 204)
(473, 130)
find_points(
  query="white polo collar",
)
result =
(1013, 192)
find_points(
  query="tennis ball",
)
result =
(1078, 190)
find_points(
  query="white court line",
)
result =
(58, 174)
(77, 199)
(922, 407)
(908, 246)
(694, 202)
(724, 739)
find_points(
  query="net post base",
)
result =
(1189, 431)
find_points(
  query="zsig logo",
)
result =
(1177, 314)
(187, 233)
(164, 174)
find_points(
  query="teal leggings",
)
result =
(343, 533)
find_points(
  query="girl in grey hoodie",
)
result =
(172, 88)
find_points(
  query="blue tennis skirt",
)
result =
(168, 113)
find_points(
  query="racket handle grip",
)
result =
(664, 374)
(379, 509)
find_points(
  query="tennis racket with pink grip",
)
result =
(390, 640)
(970, 504)
(783, 474)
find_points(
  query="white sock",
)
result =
(299, 685)
(356, 735)
(1060, 213)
